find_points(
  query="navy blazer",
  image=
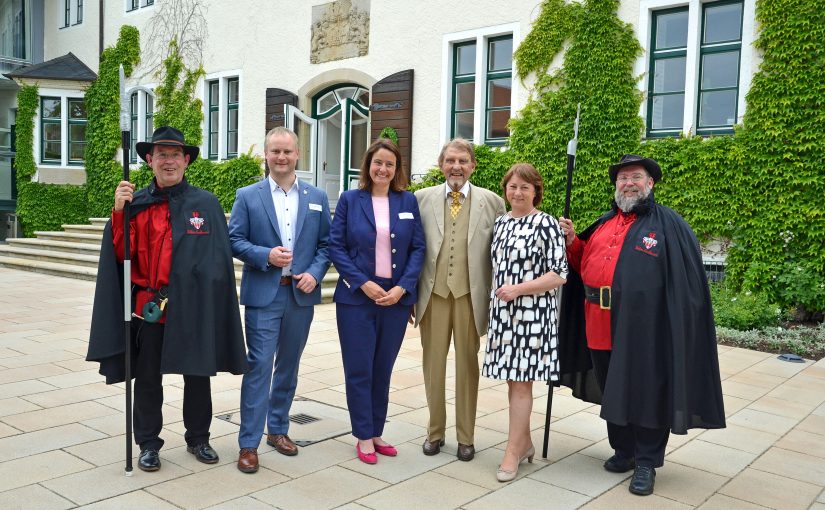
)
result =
(352, 244)
(253, 232)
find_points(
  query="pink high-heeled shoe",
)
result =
(366, 458)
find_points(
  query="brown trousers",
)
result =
(443, 320)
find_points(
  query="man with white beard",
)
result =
(647, 320)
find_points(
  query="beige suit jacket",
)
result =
(486, 207)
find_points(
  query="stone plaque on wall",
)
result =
(340, 30)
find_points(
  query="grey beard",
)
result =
(627, 204)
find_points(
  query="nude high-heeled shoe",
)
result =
(504, 475)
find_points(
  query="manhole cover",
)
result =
(310, 421)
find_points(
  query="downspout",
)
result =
(100, 29)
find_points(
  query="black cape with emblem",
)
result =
(664, 368)
(203, 333)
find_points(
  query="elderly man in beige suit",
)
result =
(454, 290)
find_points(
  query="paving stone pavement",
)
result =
(62, 434)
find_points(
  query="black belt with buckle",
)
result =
(286, 280)
(598, 295)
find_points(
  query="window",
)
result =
(719, 59)
(480, 90)
(50, 130)
(695, 58)
(222, 117)
(232, 123)
(53, 125)
(141, 106)
(77, 131)
(72, 13)
(133, 5)
(214, 118)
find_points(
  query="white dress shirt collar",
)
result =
(465, 190)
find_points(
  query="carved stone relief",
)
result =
(340, 30)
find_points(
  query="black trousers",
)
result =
(630, 441)
(148, 418)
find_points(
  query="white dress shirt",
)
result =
(286, 211)
(465, 190)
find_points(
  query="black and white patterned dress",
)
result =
(522, 337)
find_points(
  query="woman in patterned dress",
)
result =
(528, 265)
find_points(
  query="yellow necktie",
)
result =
(455, 206)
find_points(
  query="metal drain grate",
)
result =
(302, 418)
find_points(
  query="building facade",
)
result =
(340, 72)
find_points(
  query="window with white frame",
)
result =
(141, 115)
(222, 117)
(481, 88)
(72, 13)
(62, 130)
(695, 57)
(133, 5)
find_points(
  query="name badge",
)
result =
(405, 216)
(315, 207)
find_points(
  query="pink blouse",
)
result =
(383, 257)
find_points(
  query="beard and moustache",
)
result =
(626, 204)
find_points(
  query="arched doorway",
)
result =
(338, 132)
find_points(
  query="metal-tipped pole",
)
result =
(127, 270)
(572, 145)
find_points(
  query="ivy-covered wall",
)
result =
(762, 188)
(103, 172)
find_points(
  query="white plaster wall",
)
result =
(81, 39)
(270, 43)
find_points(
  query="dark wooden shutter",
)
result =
(392, 103)
(275, 101)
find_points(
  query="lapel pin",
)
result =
(305, 192)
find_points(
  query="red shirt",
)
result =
(595, 260)
(150, 245)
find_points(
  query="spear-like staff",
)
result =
(127, 269)
(571, 163)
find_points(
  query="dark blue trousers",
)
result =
(371, 337)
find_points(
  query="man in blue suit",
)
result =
(280, 229)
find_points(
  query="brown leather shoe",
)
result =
(432, 447)
(466, 452)
(248, 460)
(282, 443)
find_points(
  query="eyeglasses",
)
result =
(168, 155)
(635, 178)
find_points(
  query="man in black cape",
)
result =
(638, 298)
(187, 319)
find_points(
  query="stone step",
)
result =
(49, 256)
(59, 246)
(84, 229)
(54, 268)
(69, 237)
(98, 221)
(90, 273)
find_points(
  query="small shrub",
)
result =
(743, 310)
(391, 133)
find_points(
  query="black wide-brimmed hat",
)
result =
(169, 137)
(650, 165)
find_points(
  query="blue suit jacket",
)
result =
(352, 244)
(253, 232)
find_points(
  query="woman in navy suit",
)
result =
(377, 245)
